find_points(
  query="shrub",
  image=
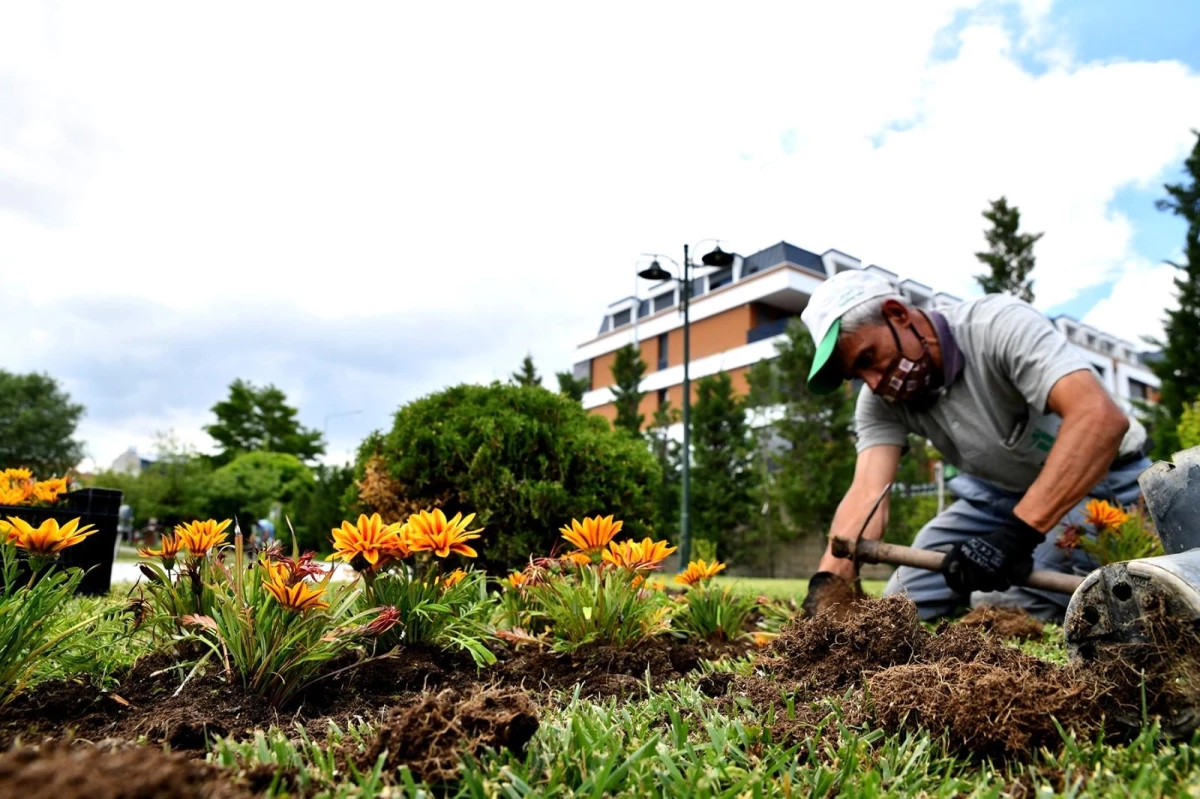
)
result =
(522, 458)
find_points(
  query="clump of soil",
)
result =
(887, 670)
(829, 652)
(1004, 622)
(58, 771)
(431, 736)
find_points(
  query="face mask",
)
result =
(907, 380)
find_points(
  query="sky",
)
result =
(363, 203)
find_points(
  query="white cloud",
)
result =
(367, 204)
(1138, 303)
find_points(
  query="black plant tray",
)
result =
(98, 507)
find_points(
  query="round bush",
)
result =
(524, 459)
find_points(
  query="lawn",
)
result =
(785, 588)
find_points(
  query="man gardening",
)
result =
(1006, 399)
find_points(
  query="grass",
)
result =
(785, 588)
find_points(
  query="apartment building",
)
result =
(738, 313)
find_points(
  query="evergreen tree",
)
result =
(1010, 253)
(527, 375)
(723, 476)
(814, 452)
(666, 451)
(37, 425)
(571, 386)
(260, 420)
(1179, 366)
(627, 370)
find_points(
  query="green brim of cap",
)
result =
(826, 375)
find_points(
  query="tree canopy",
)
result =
(256, 419)
(1009, 254)
(37, 424)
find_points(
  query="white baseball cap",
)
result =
(823, 318)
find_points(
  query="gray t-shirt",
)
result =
(991, 422)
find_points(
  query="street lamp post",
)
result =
(720, 258)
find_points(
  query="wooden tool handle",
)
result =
(878, 552)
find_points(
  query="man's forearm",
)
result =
(1086, 446)
(847, 521)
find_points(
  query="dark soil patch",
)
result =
(1005, 622)
(886, 670)
(431, 736)
(144, 704)
(62, 772)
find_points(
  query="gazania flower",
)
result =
(48, 538)
(18, 474)
(171, 544)
(298, 597)
(49, 490)
(517, 579)
(432, 532)
(578, 558)
(453, 578)
(699, 572)
(366, 544)
(761, 639)
(1070, 537)
(199, 537)
(593, 535)
(1101, 515)
(388, 618)
(653, 585)
(12, 495)
(638, 555)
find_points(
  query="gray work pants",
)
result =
(980, 509)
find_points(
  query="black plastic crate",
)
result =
(95, 553)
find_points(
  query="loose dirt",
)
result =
(62, 772)
(1005, 622)
(431, 736)
(886, 670)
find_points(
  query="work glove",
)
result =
(994, 561)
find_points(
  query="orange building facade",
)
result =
(739, 313)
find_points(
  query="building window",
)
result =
(721, 277)
(583, 371)
(662, 397)
(664, 301)
(1091, 341)
(604, 325)
(1138, 390)
(663, 339)
(697, 287)
(622, 318)
(643, 308)
(1070, 332)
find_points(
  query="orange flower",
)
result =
(431, 532)
(297, 597)
(453, 578)
(699, 572)
(593, 535)
(170, 548)
(517, 579)
(578, 558)
(18, 474)
(12, 495)
(367, 544)
(199, 537)
(1101, 515)
(762, 639)
(48, 538)
(638, 556)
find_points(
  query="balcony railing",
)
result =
(766, 330)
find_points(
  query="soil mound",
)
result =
(62, 772)
(431, 736)
(1004, 622)
(831, 651)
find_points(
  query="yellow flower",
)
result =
(200, 537)
(638, 555)
(431, 532)
(593, 535)
(170, 548)
(762, 639)
(652, 585)
(49, 490)
(48, 538)
(12, 495)
(578, 558)
(298, 597)
(18, 474)
(1101, 515)
(517, 579)
(453, 578)
(699, 572)
(367, 543)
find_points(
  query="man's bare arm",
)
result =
(874, 469)
(1087, 443)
